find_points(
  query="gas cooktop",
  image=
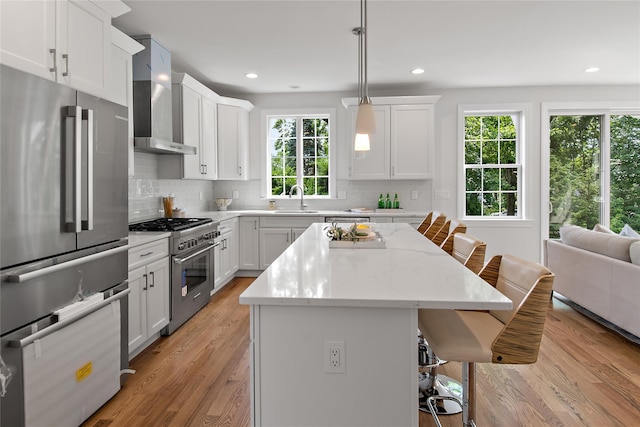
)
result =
(169, 224)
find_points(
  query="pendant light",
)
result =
(365, 118)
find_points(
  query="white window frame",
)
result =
(522, 147)
(606, 109)
(265, 115)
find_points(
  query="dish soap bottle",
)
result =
(396, 202)
(380, 201)
(387, 203)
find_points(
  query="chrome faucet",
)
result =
(300, 192)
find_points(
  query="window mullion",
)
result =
(299, 152)
(605, 170)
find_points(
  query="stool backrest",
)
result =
(529, 286)
(437, 222)
(426, 222)
(469, 251)
(447, 232)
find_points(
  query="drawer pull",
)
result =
(147, 254)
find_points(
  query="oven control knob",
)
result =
(180, 246)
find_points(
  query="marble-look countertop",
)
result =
(410, 272)
(137, 238)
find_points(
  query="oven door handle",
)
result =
(181, 260)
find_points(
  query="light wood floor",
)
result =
(199, 376)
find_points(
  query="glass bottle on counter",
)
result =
(380, 201)
(387, 203)
(396, 202)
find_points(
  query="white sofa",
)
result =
(599, 271)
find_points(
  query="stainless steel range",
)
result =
(192, 263)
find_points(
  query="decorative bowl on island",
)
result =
(222, 203)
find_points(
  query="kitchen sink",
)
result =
(290, 211)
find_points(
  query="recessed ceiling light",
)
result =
(251, 75)
(591, 69)
(417, 71)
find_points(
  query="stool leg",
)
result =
(445, 389)
(468, 394)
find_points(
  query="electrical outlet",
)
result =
(235, 194)
(414, 194)
(334, 357)
(201, 195)
(342, 195)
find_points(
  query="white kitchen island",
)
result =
(314, 297)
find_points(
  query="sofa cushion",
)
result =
(602, 243)
(634, 253)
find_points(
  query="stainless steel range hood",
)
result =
(152, 115)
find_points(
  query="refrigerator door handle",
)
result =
(87, 224)
(19, 278)
(75, 112)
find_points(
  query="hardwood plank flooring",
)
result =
(586, 375)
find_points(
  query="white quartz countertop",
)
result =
(137, 238)
(410, 272)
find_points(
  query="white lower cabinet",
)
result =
(249, 243)
(149, 297)
(276, 234)
(226, 253)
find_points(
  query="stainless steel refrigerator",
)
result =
(63, 215)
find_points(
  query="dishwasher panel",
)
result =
(64, 387)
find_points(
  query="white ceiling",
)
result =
(309, 44)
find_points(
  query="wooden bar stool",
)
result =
(450, 228)
(497, 336)
(437, 222)
(426, 222)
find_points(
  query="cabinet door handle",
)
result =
(153, 279)
(287, 238)
(146, 282)
(393, 170)
(206, 170)
(65, 56)
(54, 68)
(255, 224)
(239, 170)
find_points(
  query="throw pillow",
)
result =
(602, 229)
(634, 253)
(629, 232)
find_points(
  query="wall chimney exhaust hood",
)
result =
(152, 115)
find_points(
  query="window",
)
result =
(299, 153)
(584, 187)
(492, 176)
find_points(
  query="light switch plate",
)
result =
(441, 194)
(235, 194)
(414, 194)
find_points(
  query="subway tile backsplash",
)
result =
(146, 190)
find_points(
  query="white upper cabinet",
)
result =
(373, 164)
(412, 140)
(194, 124)
(123, 48)
(233, 139)
(402, 146)
(67, 41)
